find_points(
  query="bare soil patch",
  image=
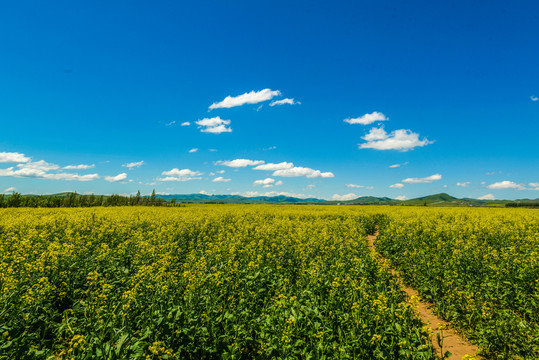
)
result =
(451, 341)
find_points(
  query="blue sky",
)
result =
(326, 96)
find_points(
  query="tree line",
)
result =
(78, 200)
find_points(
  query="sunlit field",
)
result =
(263, 281)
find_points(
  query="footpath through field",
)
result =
(449, 339)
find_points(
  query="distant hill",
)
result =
(441, 199)
(237, 199)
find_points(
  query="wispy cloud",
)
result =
(237, 163)
(464, 184)
(13, 157)
(397, 165)
(534, 98)
(180, 175)
(10, 190)
(427, 179)
(487, 197)
(359, 186)
(171, 123)
(401, 198)
(402, 140)
(185, 123)
(267, 182)
(397, 186)
(506, 185)
(133, 165)
(278, 166)
(253, 97)
(79, 167)
(194, 150)
(345, 197)
(273, 193)
(285, 101)
(534, 185)
(41, 170)
(214, 125)
(221, 179)
(119, 177)
(367, 118)
(297, 171)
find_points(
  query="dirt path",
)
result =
(452, 342)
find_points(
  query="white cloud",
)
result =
(237, 163)
(302, 171)
(212, 150)
(427, 179)
(133, 165)
(204, 192)
(535, 186)
(534, 98)
(72, 177)
(463, 184)
(376, 134)
(10, 189)
(194, 150)
(285, 101)
(253, 97)
(272, 166)
(116, 178)
(367, 118)
(221, 179)
(350, 196)
(506, 185)
(181, 173)
(40, 165)
(214, 125)
(270, 148)
(265, 182)
(78, 167)
(486, 197)
(402, 140)
(398, 165)
(186, 123)
(401, 198)
(13, 157)
(279, 182)
(274, 193)
(40, 169)
(359, 186)
(220, 171)
(397, 186)
(171, 123)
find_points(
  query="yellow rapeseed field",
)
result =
(259, 281)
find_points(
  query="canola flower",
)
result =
(263, 282)
(199, 282)
(480, 267)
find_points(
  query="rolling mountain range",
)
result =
(441, 199)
